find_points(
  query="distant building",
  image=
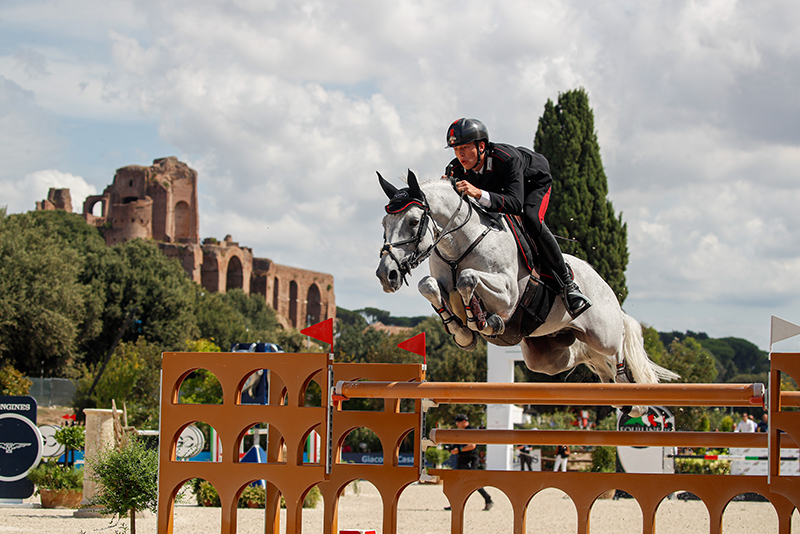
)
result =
(160, 203)
(57, 199)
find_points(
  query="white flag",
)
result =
(781, 330)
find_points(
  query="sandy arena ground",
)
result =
(421, 511)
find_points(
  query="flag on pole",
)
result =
(416, 345)
(780, 330)
(321, 332)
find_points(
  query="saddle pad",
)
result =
(526, 250)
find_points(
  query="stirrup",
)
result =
(582, 306)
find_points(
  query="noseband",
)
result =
(416, 257)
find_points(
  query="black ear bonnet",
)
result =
(401, 199)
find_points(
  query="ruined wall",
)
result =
(226, 266)
(143, 202)
(302, 297)
(189, 256)
(57, 199)
(160, 202)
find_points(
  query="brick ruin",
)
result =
(57, 199)
(160, 203)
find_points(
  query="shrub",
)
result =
(726, 425)
(73, 438)
(207, 495)
(436, 456)
(692, 466)
(127, 478)
(12, 382)
(52, 476)
(604, 460)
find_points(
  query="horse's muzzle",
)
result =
(389, 275)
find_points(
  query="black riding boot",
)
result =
(549, 251)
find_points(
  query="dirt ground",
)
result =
(421, 511)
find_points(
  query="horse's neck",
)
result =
(444, 203)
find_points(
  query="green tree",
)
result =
(127, 479)
(579, 208)
(747, 357)
(132, 376)
(695, 365)
(235, 317)
(44, 310)
(138, 275)
(12, 382)
(653, 345)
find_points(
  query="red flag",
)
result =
(321, 332)
(416, 345)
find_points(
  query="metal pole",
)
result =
(560, 394)
(597, 438)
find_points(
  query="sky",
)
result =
(287, 109)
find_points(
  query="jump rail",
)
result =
(560, 394)
(601, 438)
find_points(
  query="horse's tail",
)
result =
(641, 367)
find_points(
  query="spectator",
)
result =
(468, 458)
(746, 424)
(763, 426)
(525, 457)
(562, 455)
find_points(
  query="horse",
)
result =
(475, 265)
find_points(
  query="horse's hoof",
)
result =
(497, 324)
(470, 346)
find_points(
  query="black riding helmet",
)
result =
(465, 131)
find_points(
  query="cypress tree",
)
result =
(579, 209)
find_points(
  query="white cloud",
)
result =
(35, 186)
(287, 109)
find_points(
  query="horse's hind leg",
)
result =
(463, 336)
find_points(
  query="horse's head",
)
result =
(405, 232)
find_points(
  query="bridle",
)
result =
(417, 256)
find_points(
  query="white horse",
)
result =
(473, 256)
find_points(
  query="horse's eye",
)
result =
(414, 223)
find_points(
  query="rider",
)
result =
(514, 181)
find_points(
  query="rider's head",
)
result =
(469, 138)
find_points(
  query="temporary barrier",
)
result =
(291, 421)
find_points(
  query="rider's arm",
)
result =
(463, 448)
(508, 177)
(481, 195)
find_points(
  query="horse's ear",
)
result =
(388, 188)
(413, 185)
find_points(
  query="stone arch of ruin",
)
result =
(159, 202)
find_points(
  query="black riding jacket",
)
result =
(509, 175)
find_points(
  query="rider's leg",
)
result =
(575, 301)
(550, 253)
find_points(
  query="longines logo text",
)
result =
(15, 407)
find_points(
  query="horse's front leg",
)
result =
(463, 336)
(498, 294)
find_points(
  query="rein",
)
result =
(418, 256)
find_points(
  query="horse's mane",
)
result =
(436, 183)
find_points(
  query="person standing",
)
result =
(562, 455)
(746, 424)
(467, 458)
(763, 426)
(525, 457)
